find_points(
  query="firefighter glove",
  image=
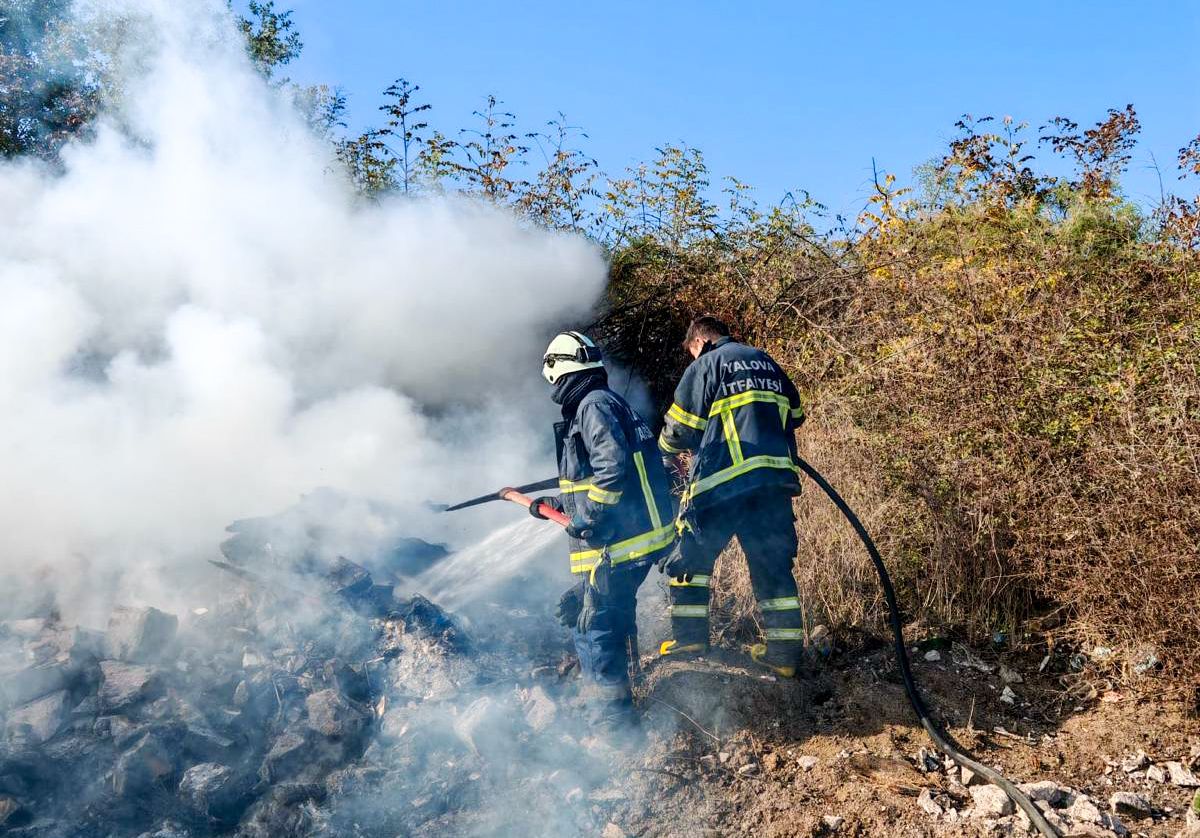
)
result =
(551, 501)
(569, 606)
(673, 563)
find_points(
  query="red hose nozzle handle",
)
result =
(548, 512)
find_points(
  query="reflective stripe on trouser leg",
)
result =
(783, 626)
(689, 611)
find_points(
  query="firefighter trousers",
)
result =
(765, 527)
(602, 645)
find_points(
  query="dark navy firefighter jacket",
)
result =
(738, 411)
(612, 479)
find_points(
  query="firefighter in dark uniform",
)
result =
(617, 494)
(737, 412)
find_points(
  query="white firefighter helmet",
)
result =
(570, 352)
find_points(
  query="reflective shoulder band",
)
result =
(684, 418)
(604, 496)
(663, 445)
(743, 399)
(783, 603)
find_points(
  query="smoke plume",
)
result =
(200, 322)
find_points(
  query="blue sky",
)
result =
(781, 95)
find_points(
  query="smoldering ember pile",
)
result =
(310, 700)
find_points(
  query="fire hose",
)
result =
(939, 738)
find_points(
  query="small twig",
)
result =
(699, 727)
(999, 731)
(662, 771)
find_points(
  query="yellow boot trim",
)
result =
(758, 653)
(669, 647)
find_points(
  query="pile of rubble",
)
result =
(308, 699)
(243, 719)
(961, 794)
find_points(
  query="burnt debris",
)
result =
(234, 721)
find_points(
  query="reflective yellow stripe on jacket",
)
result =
(569, 486)
(644, 544)
(604, 496)
(724, 409)
(684, 418)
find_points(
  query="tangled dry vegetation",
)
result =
(1002, 379)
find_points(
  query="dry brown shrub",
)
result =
(1010, 401)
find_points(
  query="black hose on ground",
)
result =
(940, 739)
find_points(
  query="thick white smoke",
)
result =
(199, 322)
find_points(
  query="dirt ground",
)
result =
(733, 751)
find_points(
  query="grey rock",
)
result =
(486, 726)
(291, 794)
(990, 802)
(140, 635)
(144, 765)
(349, 579)
(808, 763)
(1049, 792)
(1182, 776)
(1147, 659)
(26, 629)
(1113, 824)
(204, 742)
(34, 723)
(215, 791)
(933, 656)
(252, 659)
(198, 736)
(125, 684)
(1130, 804)
(288, 755)
(88, 708)
(353, 681)
(24, 684)
(12, 814)
(832, 823)
(1156, 773)
(256, 696)
(273, 816)
(1135, 762)
(79, 644)
(331, 714)
(540, 709)
(928, 804)
(1083, 810)
(118, 728)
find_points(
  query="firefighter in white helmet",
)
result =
(616, 492)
